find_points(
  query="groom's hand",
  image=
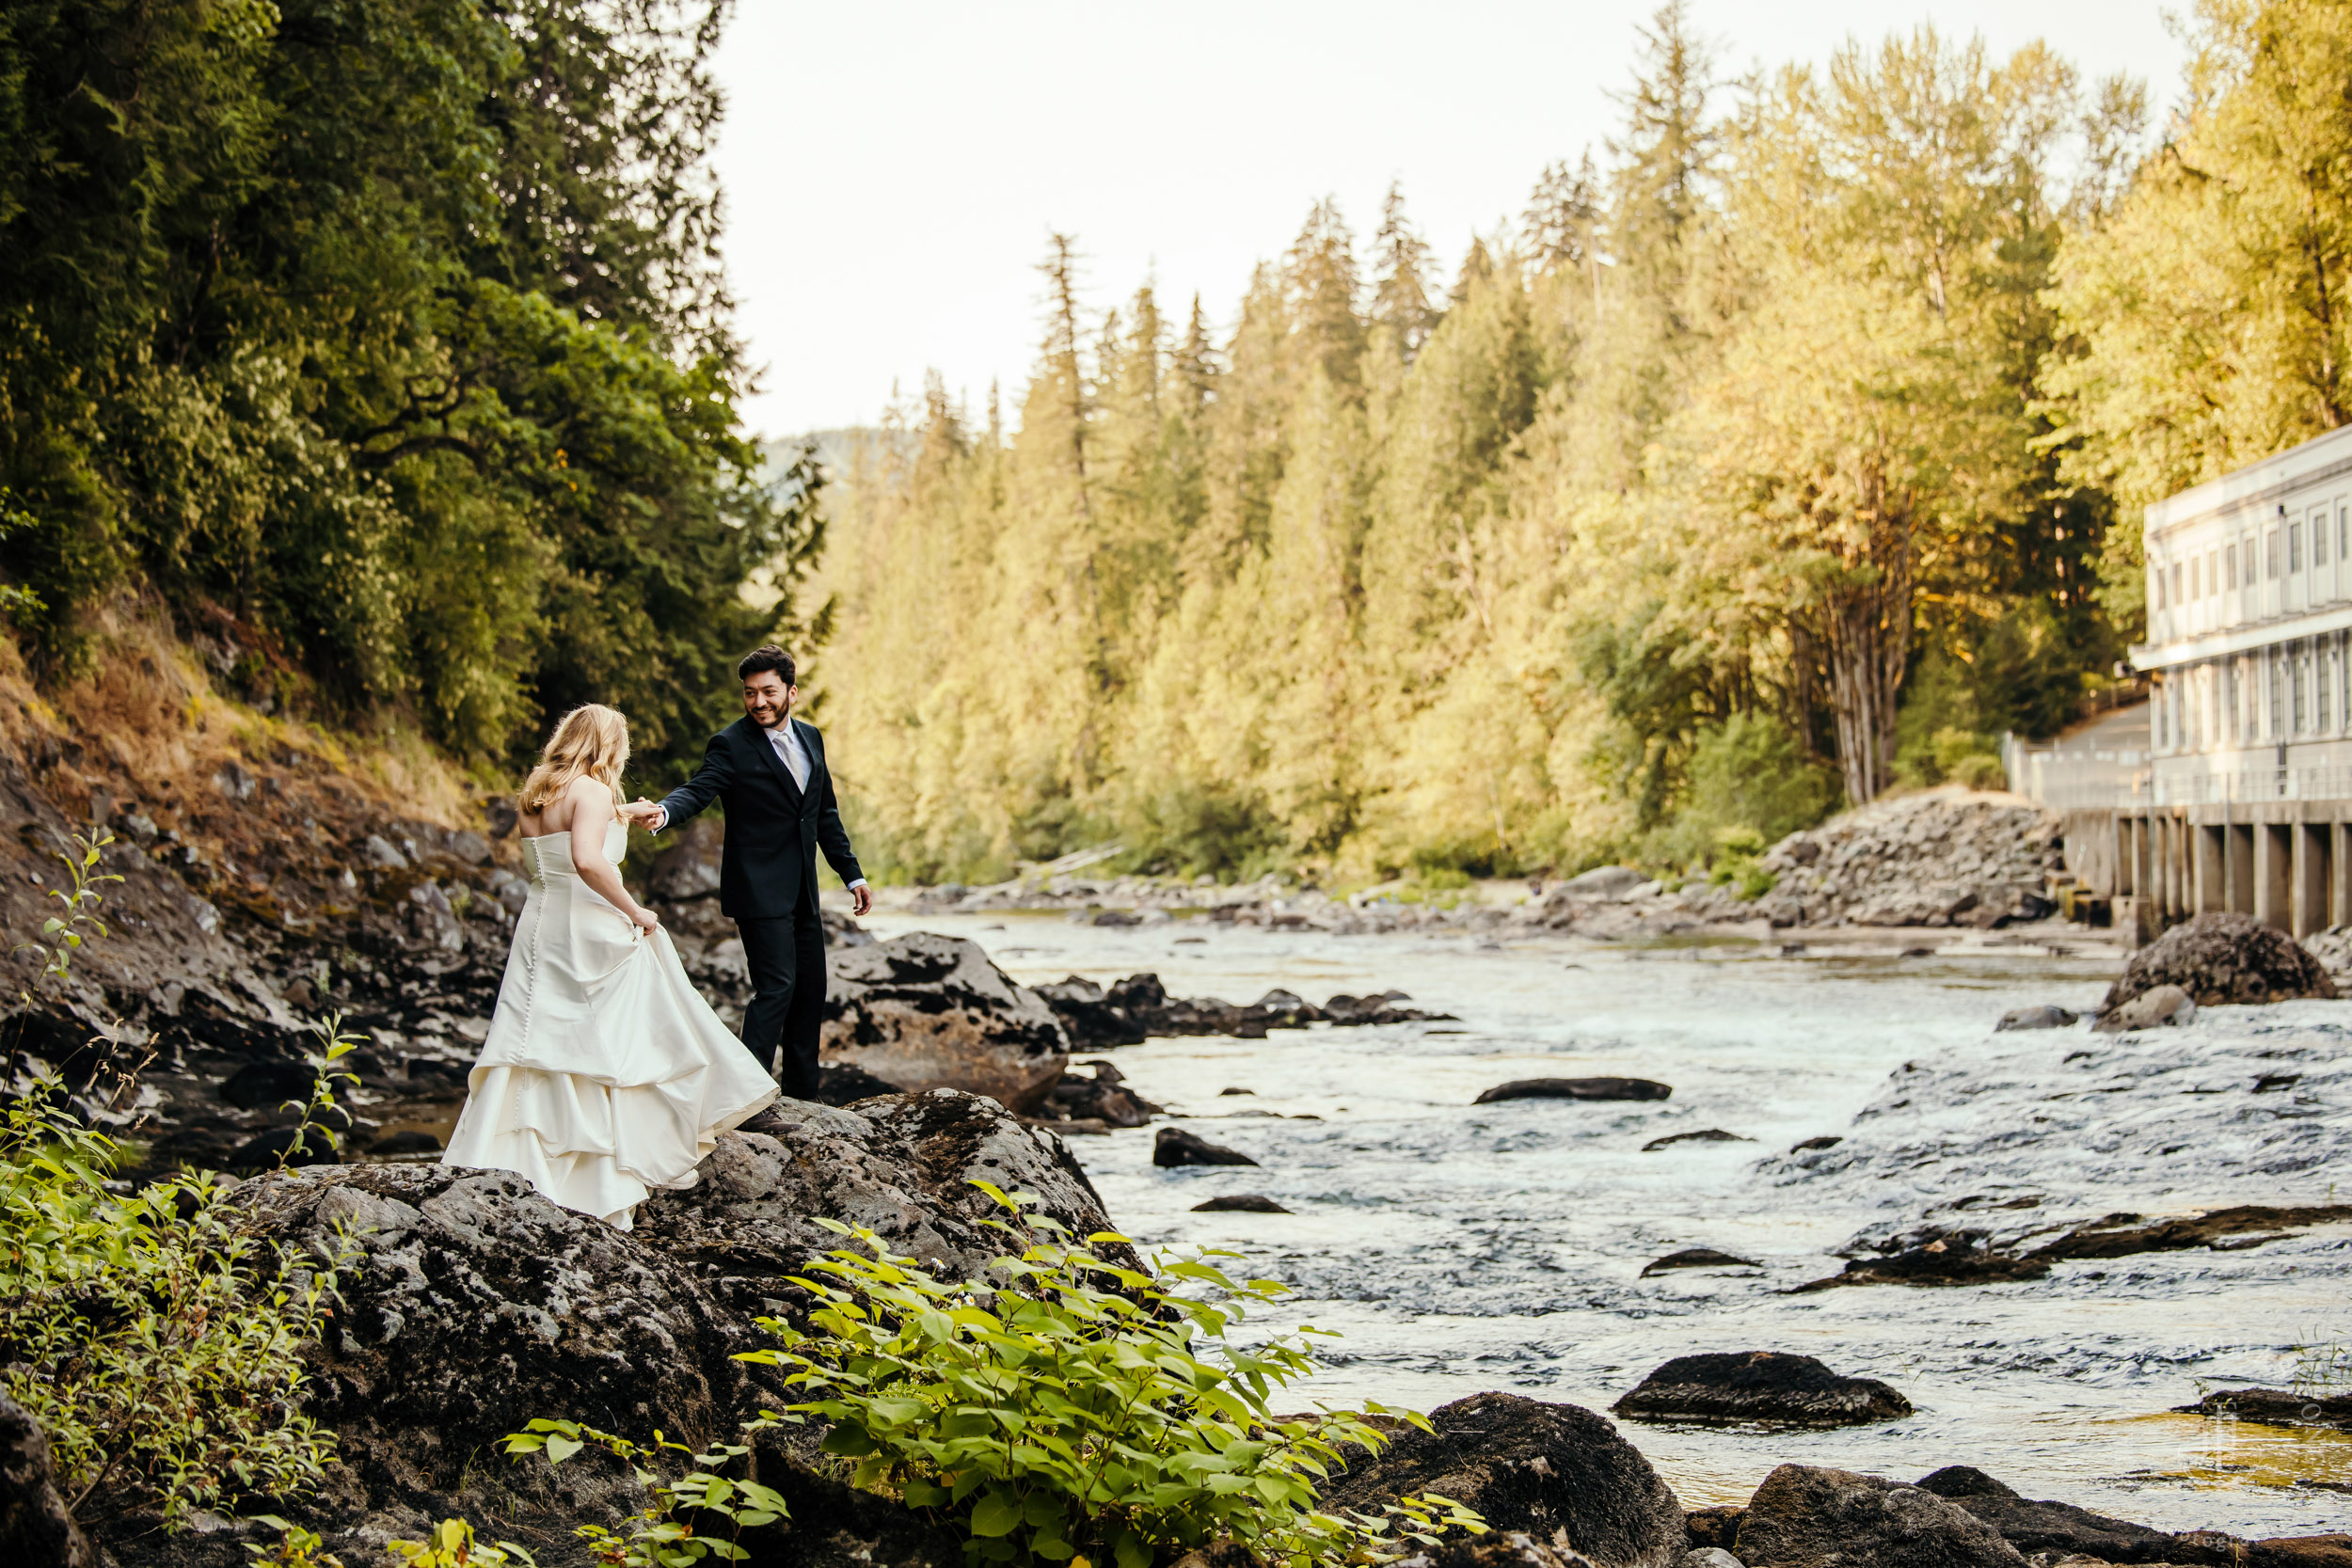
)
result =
(861, 901)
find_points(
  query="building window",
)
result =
(2319, 537)
(2298, 669)
(2213, 571)
(2326, 670)
(2277, 695)
(2193, 593)
(2229, 565)
(2228, 696)
(2295, 546)
(2270, 555)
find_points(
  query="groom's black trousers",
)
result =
(787, 958)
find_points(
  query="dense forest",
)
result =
(1786, 449)
(382, 345)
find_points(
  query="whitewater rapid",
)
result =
(1458, 1248)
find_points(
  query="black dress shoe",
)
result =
(766, 1122)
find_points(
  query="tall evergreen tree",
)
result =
(1400, 288)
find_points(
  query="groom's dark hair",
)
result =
(765, 658)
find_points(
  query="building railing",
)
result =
(2142, 789)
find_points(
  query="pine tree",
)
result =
(1400, 289)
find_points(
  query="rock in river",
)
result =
(925, 1012)
(1575, 1088)
(2281, 1407)
(2220, 959)
(1176, 1147)
(1954, 1257)
(1760, 1385)
(1698, 1258)
(1557, 1472)
(1240, 1203)
(2046, 1016)
(1139, 1008)
(2151, 1009)
(2063, 1530)
(1707, 1135)
(1803, 1517)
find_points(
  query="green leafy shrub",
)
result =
(665, 1533)
(154, 1343)
(1077, 1411)
(1738, 852)
(1980, 771)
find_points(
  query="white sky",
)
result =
(892, 166)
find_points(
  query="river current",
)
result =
(1458, 1248)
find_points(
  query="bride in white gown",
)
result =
(605, 1074)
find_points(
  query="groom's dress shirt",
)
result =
(795, 759)
(788, 746)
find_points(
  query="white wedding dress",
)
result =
(605, 1073)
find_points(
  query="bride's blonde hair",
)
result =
(590, 741)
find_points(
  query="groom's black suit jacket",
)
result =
(774, 827)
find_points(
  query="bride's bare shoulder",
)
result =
(586, 801)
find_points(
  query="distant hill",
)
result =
(834, 446)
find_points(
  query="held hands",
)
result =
(640, 810)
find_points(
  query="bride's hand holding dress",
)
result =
(605, 1074)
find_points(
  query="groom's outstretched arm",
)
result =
(709, 782)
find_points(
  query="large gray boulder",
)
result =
(2165, 1006)
(36, 1528)
(688, 868)
(1803, 1517)
(473, 1305)
(925, 1012)
(2062, 1529)
(1603, 883)
(901, 1167)
(1557, 1473)
(2220, 959)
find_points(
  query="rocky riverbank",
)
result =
(1942, 859)
(472, 1305)
(268, 883)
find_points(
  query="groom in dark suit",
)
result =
(770, 769)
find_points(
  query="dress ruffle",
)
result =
(605, 1075)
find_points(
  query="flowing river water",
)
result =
(1458, 1248)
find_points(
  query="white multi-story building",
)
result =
(2249, 601)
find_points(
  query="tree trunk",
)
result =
(1866, 628)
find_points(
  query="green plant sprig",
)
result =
(1063, 1413)
(334, 1045)
(62, 936)
(451, 1543)
(662, 1535)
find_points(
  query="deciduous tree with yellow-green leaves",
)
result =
(1740, 432)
